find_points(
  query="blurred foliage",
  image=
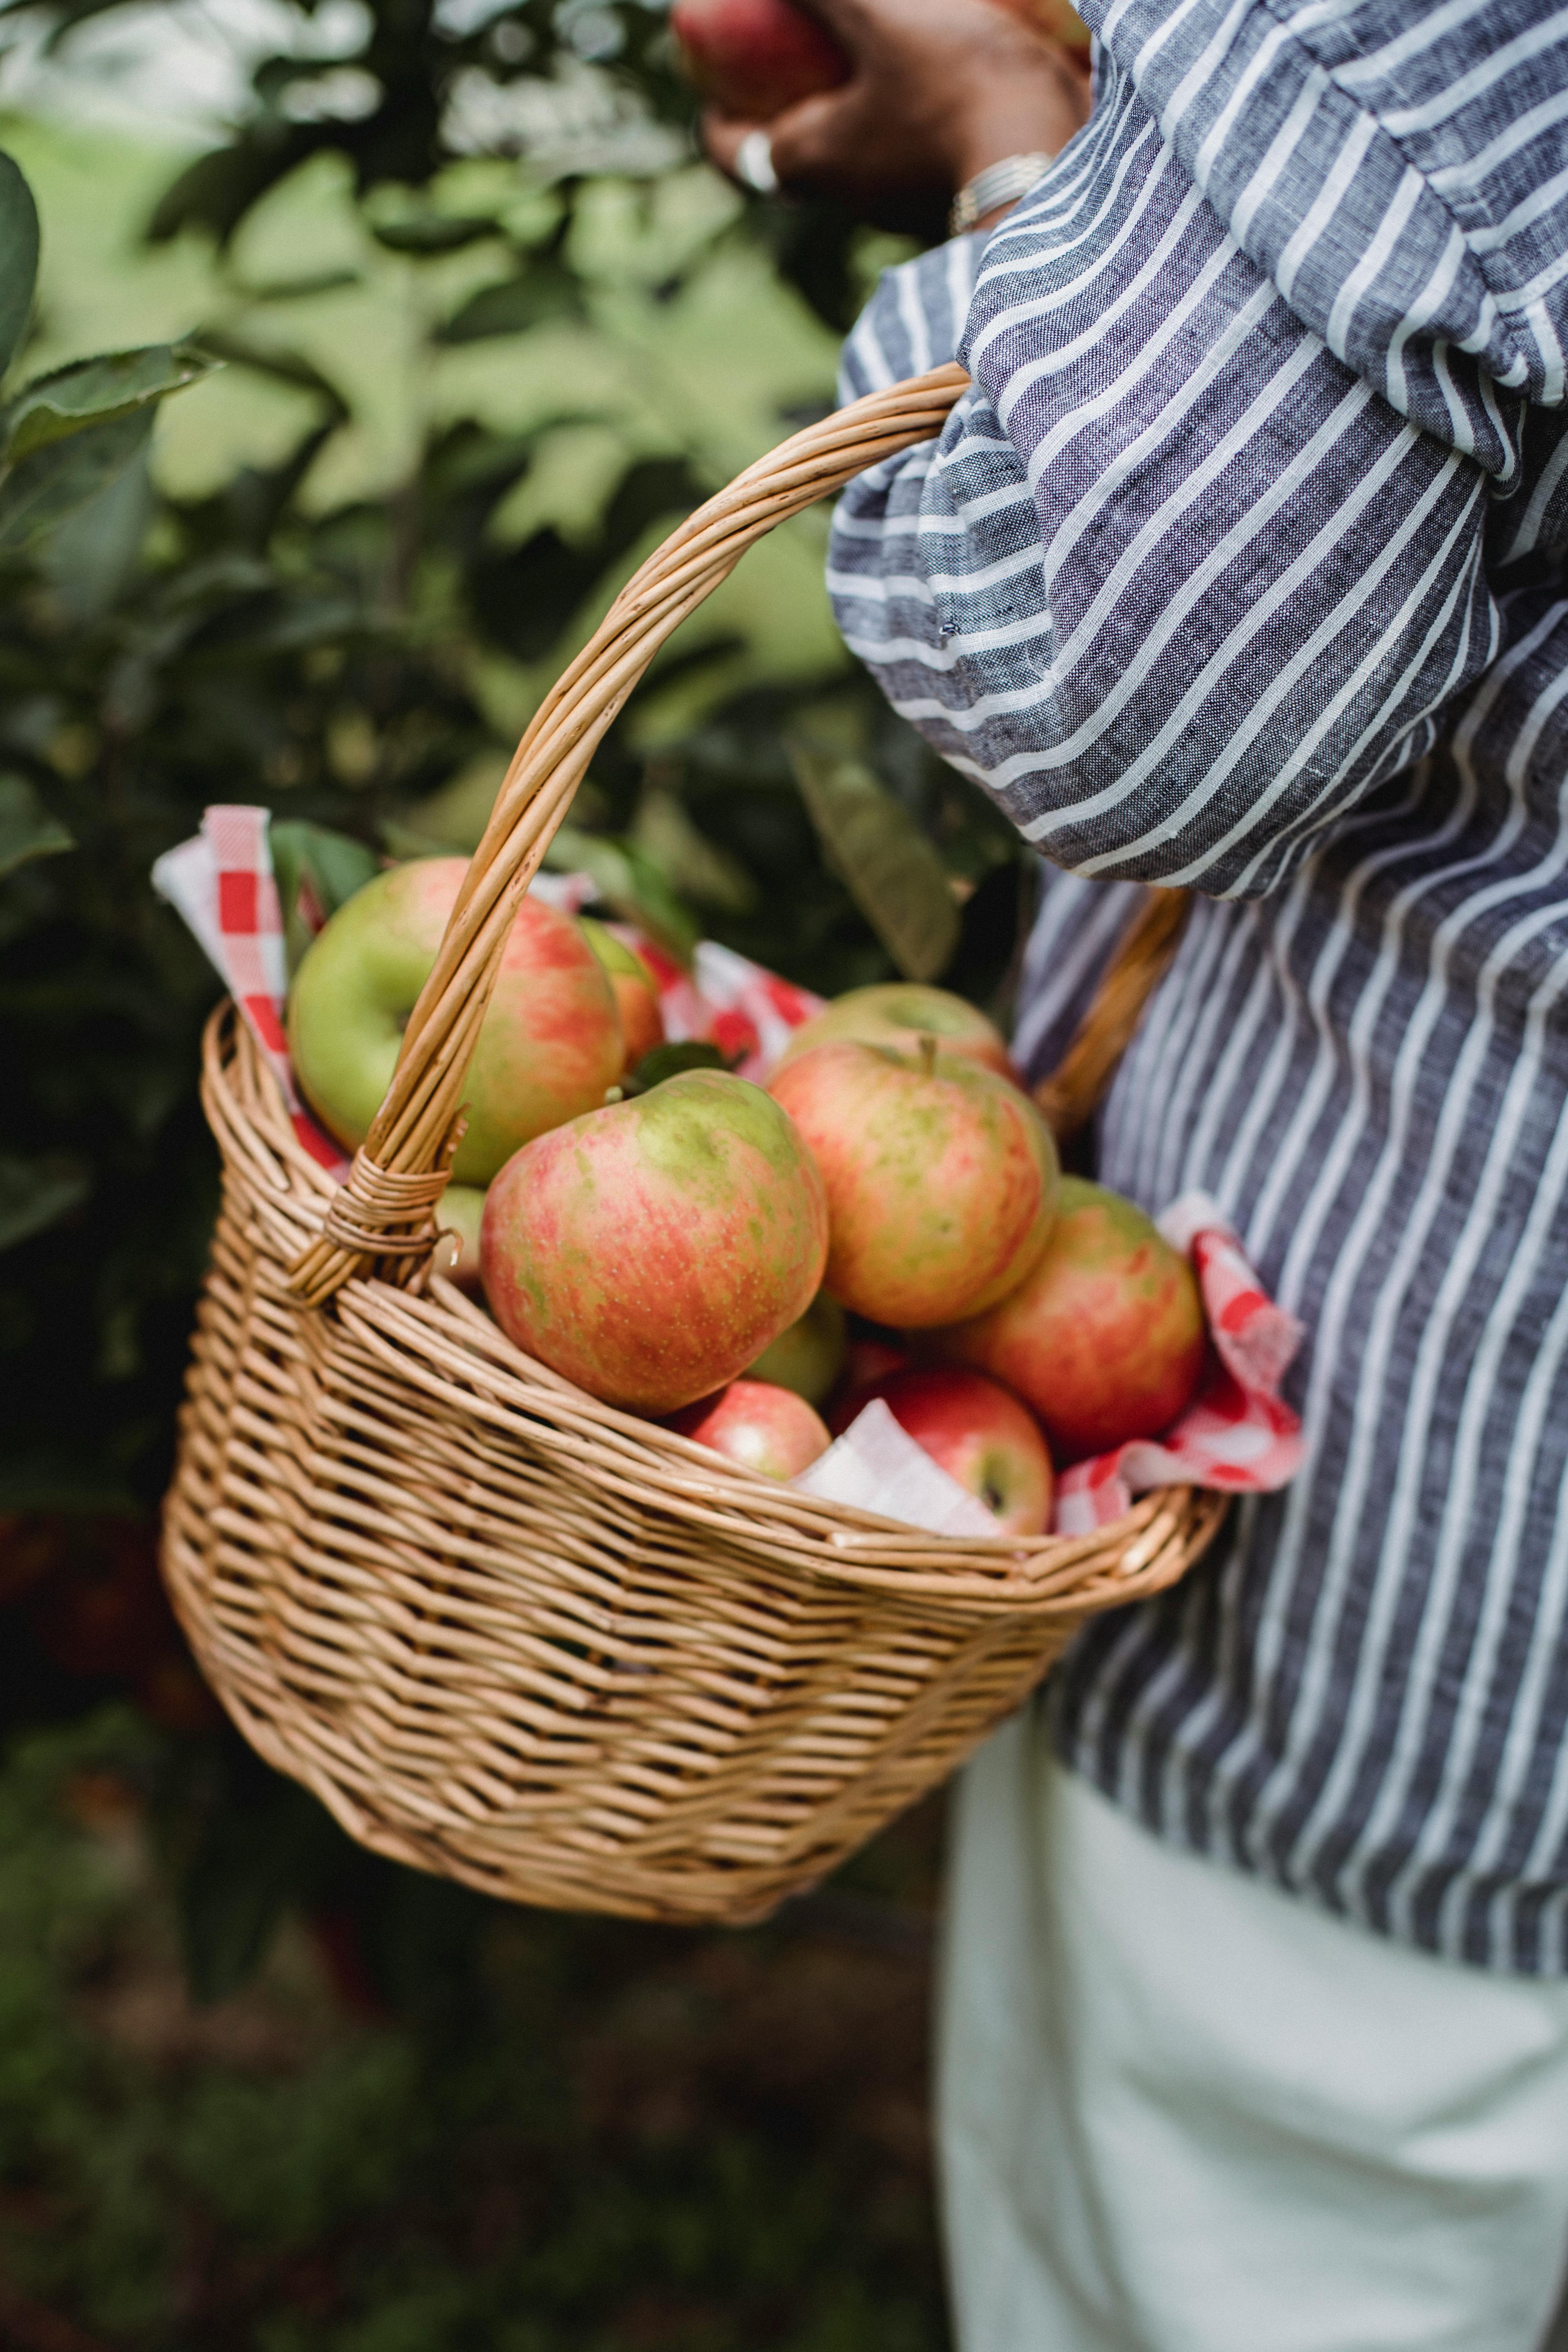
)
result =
(719, 2141)
(497, 381)
(487, 331)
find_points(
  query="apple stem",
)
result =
(927, 1054)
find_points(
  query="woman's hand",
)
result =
(939, 89)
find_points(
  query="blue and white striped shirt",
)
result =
(1242, 566)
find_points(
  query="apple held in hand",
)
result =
(549, 1047)
(637, 998)
(899, 1012)
(754, 57)
(763, 1427)
(809, 1356)
(650, 1252)
(1105, 1340)
(941, 1179)
(977, 1433)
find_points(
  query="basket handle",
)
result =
(383, 1214)
(1076, 1088)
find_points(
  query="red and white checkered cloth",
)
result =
(222, 883)
(1237, 1434)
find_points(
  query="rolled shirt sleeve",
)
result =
(1197, 564)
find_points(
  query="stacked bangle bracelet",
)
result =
(999, 183)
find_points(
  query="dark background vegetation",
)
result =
(256, 2089)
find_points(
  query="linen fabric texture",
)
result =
(1241, 567)
(1180, 2111)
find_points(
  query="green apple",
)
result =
(460, 1213)
(809, 1356)
(900, 1013)
(550, 1048)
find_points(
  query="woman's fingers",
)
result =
(939, 90)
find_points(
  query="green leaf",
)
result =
(26, 828)
(254, 1861)
(546, 289)
(91, 556)
(434, 233)
(18, 257)
(95, 391)
(297, 289)
(673, 1061)
(884, 860)
(695, 867)
(283, 366)
(326, 867)
(630, 884)
(37, 1194)
(54, 481)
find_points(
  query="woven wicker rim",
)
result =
(1036, 1575)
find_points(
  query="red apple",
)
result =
(1104, 1338)
(549, 1047)
(650, 1252)
(636, 997)
(754, 57)
(941, 1179)
(766, 1429)
(977, 1433)
(870, 1359)
(900, 1013)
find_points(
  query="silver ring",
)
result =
(754, 163)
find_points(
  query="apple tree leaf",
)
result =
(18, 257)
(37, 1194)
(426, 234)
(55, 480)
(545, 289)
(882, 857)
(630, 883)
(26, 828)
(89, 392)
(317, 871)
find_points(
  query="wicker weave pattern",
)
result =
(510, 1634)
(505, 1632)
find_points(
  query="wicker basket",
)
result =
(505, 1632)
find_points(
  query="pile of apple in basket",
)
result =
(882, 1227)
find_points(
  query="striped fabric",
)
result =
(1241, 566)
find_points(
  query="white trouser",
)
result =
(1182, 2111)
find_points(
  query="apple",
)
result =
(651, 1250)
(979, 1435)
(460, 1212)
(1104, 1338)
(870, 1360)
(550, 1048)
(1056, 21)
(764, 1427)
(809, 1356)
(752, 58)
(637, 996)
(941, 1179)
(900, 1013)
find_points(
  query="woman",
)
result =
(1240, 568)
